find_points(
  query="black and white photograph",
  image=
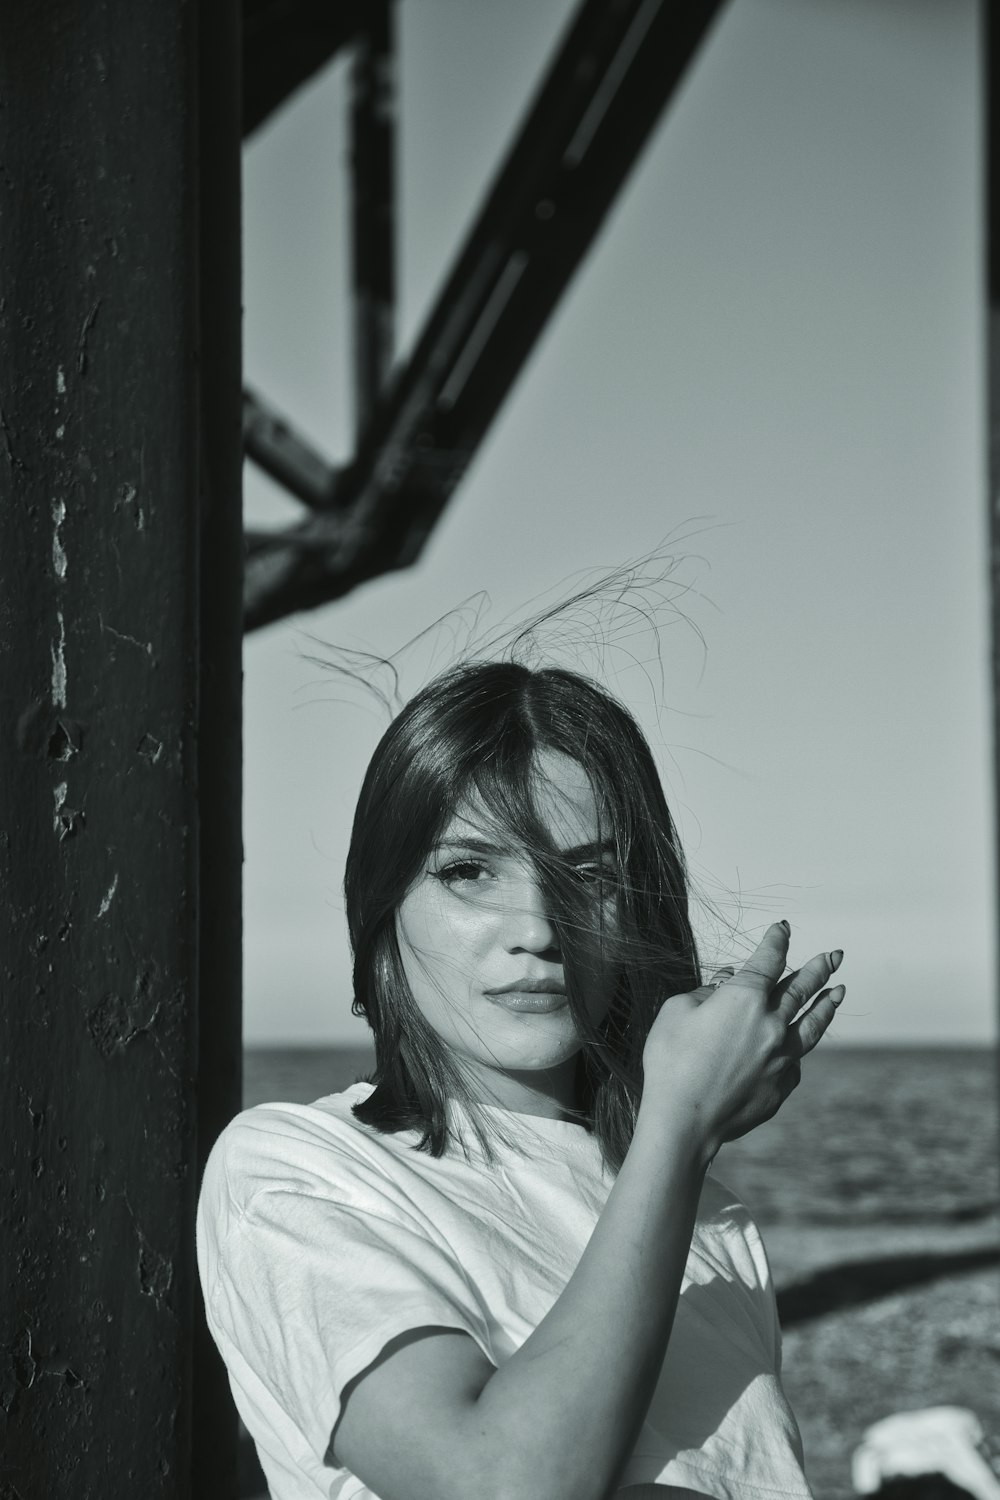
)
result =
(499, 641)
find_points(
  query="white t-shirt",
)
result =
(320, 1239)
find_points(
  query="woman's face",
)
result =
(482, 957)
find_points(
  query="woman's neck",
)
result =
(550, 1093)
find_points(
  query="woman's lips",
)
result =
(539, 1001)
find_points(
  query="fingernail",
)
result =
(836, 958)
(783, 923)
(838, 994)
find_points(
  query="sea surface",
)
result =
(871, 1136)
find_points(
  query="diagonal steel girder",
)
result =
(605, 90)
(286, 42)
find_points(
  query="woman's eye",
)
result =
(461, 870)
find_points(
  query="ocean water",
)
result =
(871, 1136)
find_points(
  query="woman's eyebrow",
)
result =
(483, 846)
(476, 846)
(588, 851)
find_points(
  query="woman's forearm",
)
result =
(567, 1407)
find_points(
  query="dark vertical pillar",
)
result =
(114, 476)
(373, 122)
(991, 155)
(220, 1043)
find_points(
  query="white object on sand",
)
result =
(937, 1440)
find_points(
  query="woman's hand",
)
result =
(727, 1055)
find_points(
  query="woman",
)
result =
(500, 1268)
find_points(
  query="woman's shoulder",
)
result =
(327, 1114)
(290, 1147)
(721, 1206)
(728, 1233)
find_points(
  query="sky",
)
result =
(768, 370)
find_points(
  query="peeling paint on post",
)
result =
(220, 711)
(119, 518)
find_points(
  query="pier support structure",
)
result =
(120, 638)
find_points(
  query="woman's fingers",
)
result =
(766, 963)
(798, 988)
(806, 1032)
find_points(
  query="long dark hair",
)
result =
(475, 732)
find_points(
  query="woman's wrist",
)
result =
(677, 1125)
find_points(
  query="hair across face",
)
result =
(520, 762)
(483, 954)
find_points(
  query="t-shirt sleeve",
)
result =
(307, 1291)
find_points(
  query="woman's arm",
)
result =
(565, 1411)
(559, 1419)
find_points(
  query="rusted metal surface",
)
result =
(105, 458)
(219, 1074)
(603, 94)
(373, 240)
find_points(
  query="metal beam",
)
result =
(269, 438)
(990, 31)
(604, 92)
(219, 1062)
(285, 43)
(98, 536)
(373, 247)
(120, 616)
(274, 446)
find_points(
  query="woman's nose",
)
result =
(526, 921)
